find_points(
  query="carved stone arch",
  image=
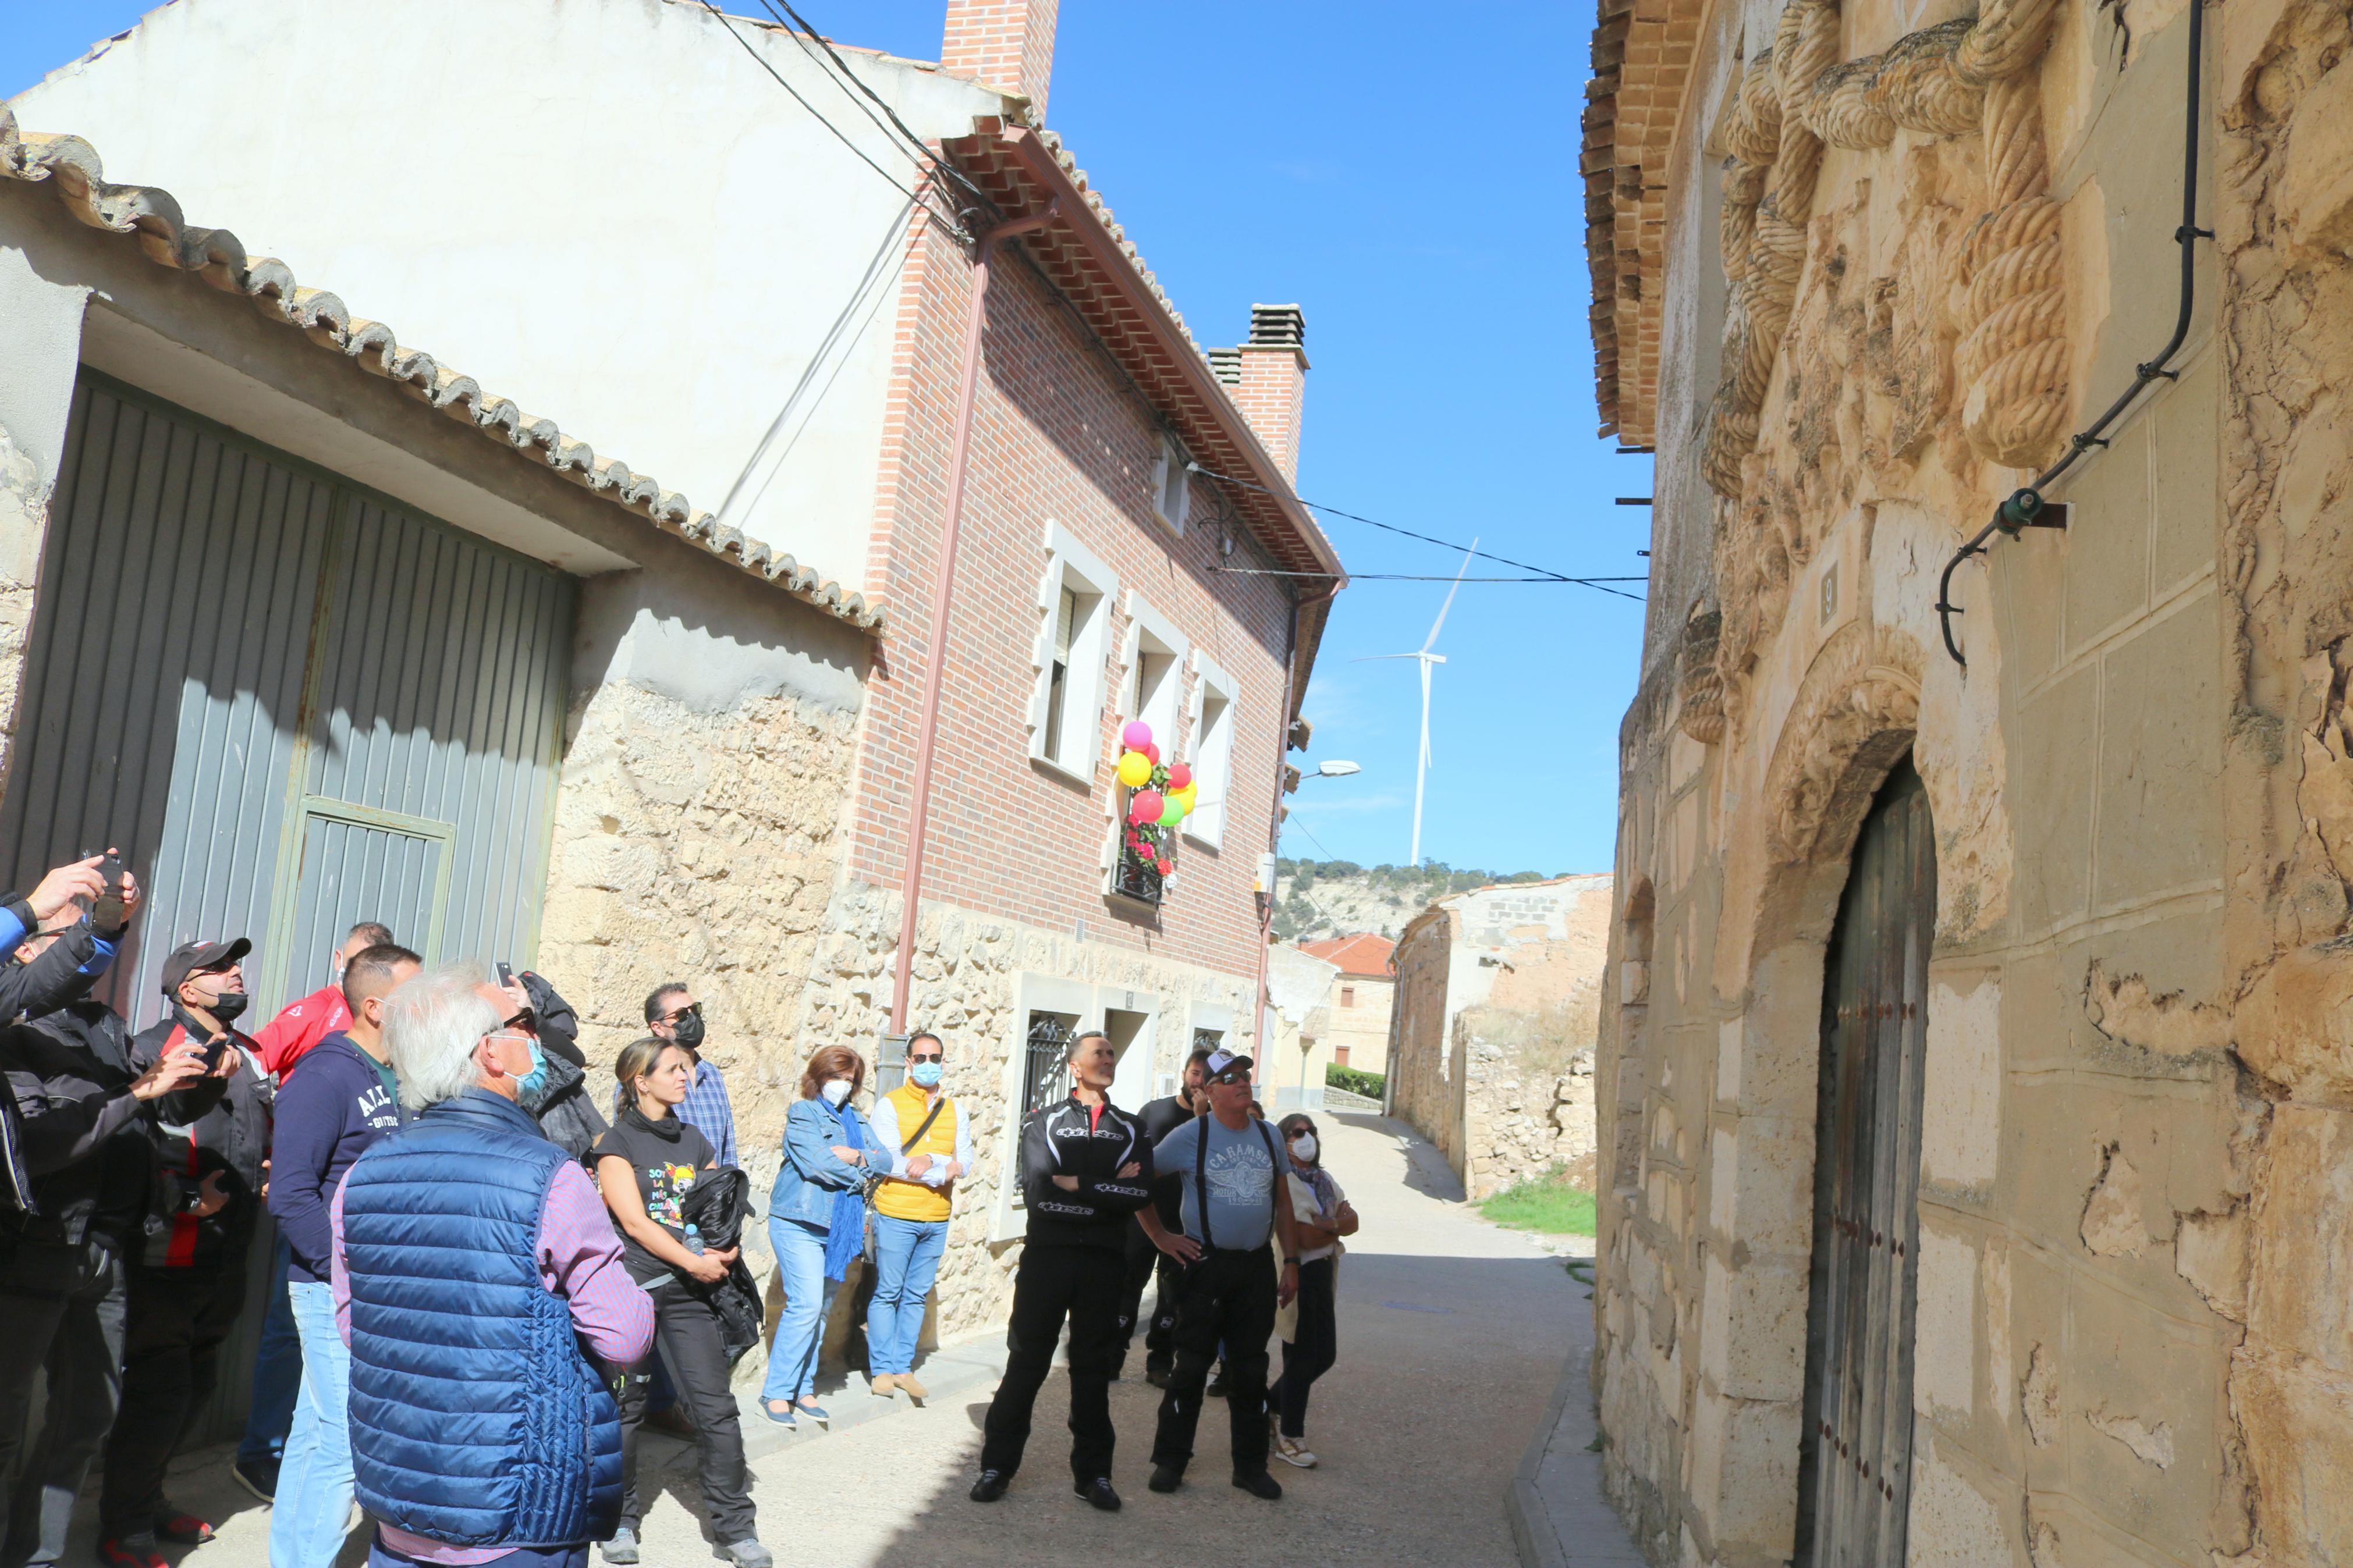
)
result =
(1854, 719)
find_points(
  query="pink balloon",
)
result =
(1137, 736)
(1179, 775)
(1146, 807)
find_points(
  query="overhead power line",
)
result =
(1548, 581)
(918, 148)
(839, 135)
(1543, 573)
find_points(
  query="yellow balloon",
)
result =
(1134, 770)
(1186, 797)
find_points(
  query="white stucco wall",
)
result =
(604, 209)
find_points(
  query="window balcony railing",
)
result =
(1138, 877)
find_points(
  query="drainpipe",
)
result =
(1274, 827)
(910, 882)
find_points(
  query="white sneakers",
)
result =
(1290, 1451)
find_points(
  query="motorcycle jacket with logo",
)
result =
(1091, 1143)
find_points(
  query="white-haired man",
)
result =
(473, 1263)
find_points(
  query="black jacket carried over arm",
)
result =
(566, 1113)
(63, 973)
(1091, 1145)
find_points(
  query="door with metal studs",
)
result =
(1854, 1465)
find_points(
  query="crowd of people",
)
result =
(483, 1289)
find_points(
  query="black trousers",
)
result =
(1141, 1254)
(72, 1327)
(1083, 1284)
(1229, 1298)
(1311, 1355)
(171, 1360)
(687, 1331)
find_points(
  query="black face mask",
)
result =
(228, 1004)
(688, 1031)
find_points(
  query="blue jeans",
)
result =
(906, 1261)
(800, 1330)
(308, 1522)
(277, 1370)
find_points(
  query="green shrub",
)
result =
(1546, 1202)
(1356, 1081)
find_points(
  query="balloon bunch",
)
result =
(1163, 797)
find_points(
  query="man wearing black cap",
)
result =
(186, 1280)
(1232, 1173)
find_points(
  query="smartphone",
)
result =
(212, 1053)
(506, 975)
(106, 913)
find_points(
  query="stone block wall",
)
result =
(972, 973)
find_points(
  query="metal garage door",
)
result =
(292, 705)
(1854, 1464)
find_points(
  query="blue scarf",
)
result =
(845, 1238)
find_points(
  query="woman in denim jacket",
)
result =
(817, 1221)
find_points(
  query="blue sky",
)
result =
(1409, 177)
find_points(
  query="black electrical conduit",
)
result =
(2019, 511)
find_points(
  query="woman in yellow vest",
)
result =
(929, 1144)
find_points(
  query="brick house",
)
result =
(714, 770)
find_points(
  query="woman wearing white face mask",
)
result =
(816, 1220)
(1321, 1216)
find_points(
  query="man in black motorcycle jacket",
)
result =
(1086, 1167)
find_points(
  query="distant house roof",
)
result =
(71, 167)
(1365, 953)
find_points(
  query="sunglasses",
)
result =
(928, 1056)
(695, 1008)
(524, 1021)
(1239, 1075)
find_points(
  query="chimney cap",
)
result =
(1278, 326)
(1226, 364)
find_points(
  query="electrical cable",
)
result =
(1593, 582)
(1547, 573)
(923, 149)
(2018, 511)
(839, 135)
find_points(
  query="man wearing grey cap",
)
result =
(1228, 1290)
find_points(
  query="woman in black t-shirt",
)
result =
(645, 1163)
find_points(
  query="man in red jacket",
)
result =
(287, 1038)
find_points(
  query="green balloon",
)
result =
(1172, 811)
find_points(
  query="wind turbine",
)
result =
(1427, 658)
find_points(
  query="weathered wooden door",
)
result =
(1854, 1469)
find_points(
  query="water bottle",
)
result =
(694, 1240)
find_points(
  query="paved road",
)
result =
(1452, 1338)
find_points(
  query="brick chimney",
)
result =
(1271, 382)
(1005, 43)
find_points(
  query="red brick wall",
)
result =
(1057, 434)
(1005, 43)
(1274, 388)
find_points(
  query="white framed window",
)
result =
(1155, 659)
(1075, 605)
(1212, 752)
(1171, 487)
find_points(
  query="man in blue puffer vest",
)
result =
(480, 1286)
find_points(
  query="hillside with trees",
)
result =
(1318, 898)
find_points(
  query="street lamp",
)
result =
(1335, 769)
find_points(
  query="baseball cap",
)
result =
(1222, 1062)
(193, 957)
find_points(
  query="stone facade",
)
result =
(1491, 1051)
(2130, 1342)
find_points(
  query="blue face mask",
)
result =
(531, 1083)
(925, 1074)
